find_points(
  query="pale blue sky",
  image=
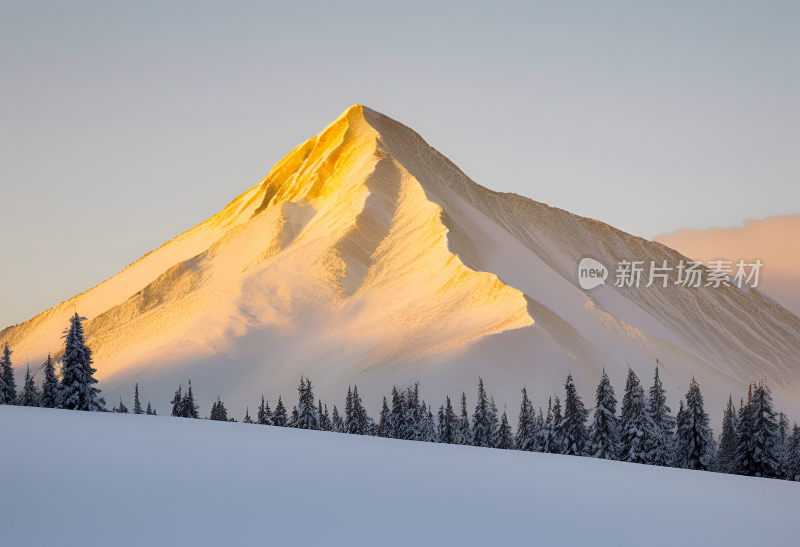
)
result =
(124, 123)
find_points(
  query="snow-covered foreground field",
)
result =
(72, 478)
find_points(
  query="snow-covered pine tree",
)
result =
(8, 385)
(793, 457)
(219, 412)
(525, 439)
(766, 451)
(482, 429)
(188, 406)
(137, 405)
(745, 463)
(30, 395)
(336, 421)
(307, 415)
(414, 413)
(427, 427)
(399, 425)
(634, 421)
(247, 419)
(659, 438)
(696, 438)
(494, 421)
(324, 417)
(279, 416)
(150, 411)
(573, 425)
(177, 403)
(264, 415)
(448, 423)
(549, 443)
(540, 435)
(557, 437)
(783, 443)
(361, 423)
(77, 374)
(385, 420)
(50, 390)
(464, 432)
(604, 432)
(726, 453)
(503, 437)
(122, 409)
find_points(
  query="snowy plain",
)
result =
(74, 478)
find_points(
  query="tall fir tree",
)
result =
(399, 425)
(8, 385)
(526, 424)
(307, 415)
(77, 374)
(540, 438)
(695, 437)
(464, 431)
(414, 413)
(427, 426)
(188, 406)
(358, 422)
(573, 425)
(448, 423)
(177, 402)
(634, 421)
(385, 420)
(279, 417)
(503, 437)
(726, 452)
(122, 409)
(137, 405)
(324, 417)
(336, 421)
(604, 441)
(783, 443)
(766, 454)
(659, 438)
(264, 415)
(30, 395)
(50, 389)
(482, 430)
(793, 457)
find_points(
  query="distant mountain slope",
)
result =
(775, 241)
(367, 257)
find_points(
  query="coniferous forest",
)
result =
(755, 438)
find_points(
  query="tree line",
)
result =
(755, 440)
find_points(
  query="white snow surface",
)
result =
(366, 257)
(74, 478)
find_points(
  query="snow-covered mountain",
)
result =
(365, 256)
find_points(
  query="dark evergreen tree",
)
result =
(190, 409)
(549, 443)
(358, 422)
(448, 423)
(307, 415)
(783, 443)
(482, 428)
(293, 418)
(766, 453)
(464, 431)
(573, 425)
(503, 437)
(604, 442)
(793, 457)
(150, 411)
(634, 422)
(137, 405)
(50, 389)
(695, 437)
(8, 385)
(336, 421)
(726, 453)
(399, 426)
(219, 412)
(385, 420)
(541, 436)
(427, 427)
(30, 395)
(247, 419)
(264, 416)
(122, 409)
(77, 374)
(279, 416)
(659, 438)
(526, 424)
(177, 403)
(324, 417)
(745, 463)
(557, 439)
(413, 413)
